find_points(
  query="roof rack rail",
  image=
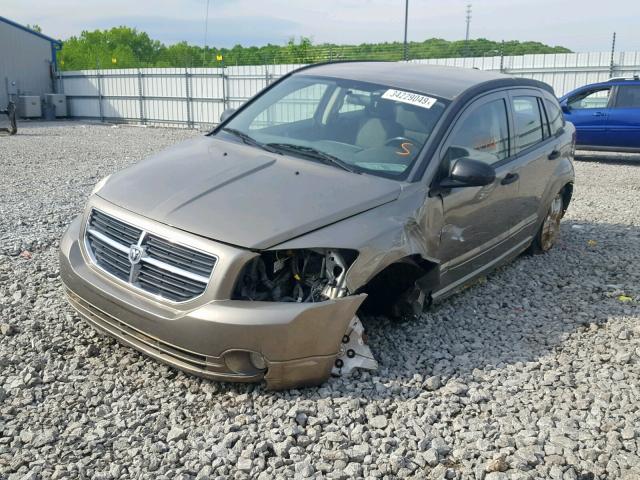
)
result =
(634, 77)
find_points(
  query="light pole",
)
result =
(466, 37)
(406, 21)
(206, 31)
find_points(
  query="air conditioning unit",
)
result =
(29, 106)
(59, 101)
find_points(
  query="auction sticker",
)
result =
(410, 98)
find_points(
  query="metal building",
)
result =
(27, 61)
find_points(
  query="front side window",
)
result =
(528, 122)
(358, 126)
(628, 96)
(483, 134)
(594, 98)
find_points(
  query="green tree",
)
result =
(124, 47)
(118, 47)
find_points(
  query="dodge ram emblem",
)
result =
(135, 254)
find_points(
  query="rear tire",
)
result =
(549, 231)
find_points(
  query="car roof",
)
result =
(607, 83)
(611, 81)
(441, 81)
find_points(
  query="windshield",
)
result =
(358, 126)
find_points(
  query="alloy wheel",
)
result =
(551, 225)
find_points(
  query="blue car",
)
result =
(606, 115)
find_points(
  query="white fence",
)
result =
(197, 96)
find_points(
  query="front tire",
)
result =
(549, 231)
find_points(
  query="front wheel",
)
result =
(549, 231)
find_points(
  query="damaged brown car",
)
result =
(249, 253)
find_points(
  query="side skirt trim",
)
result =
(519, 247)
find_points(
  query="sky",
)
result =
(581, 25)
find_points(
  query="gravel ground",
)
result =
(533, 372)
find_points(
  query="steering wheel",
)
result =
(399, 140)
(405, 144)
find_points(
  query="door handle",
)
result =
(599, 114)
(554, 154)
(509, 178)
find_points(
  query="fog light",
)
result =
(245, 362)
(257, 360)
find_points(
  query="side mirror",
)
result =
(466, 172)
(564, 105)
(226, 114)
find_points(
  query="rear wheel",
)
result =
(549, 231)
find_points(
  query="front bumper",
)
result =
(299, 341)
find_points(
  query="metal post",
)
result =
(140, 97)
(187, 79)
(406, 24)
(99, 90)
(268, 110)
(613, 51)
(502, 57)
(225, 78)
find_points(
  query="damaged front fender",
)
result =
(383, 236)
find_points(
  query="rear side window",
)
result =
(355, 100)
(483, 135)
(628, 96)
(555, 116)
(528, 122)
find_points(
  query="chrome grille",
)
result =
(178, 256)
(114, 229)
(165, 269)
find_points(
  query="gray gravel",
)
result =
(531, 373)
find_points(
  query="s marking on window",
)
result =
(406, 150)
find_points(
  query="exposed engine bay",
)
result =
(310, 275)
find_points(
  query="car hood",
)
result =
(242, 195)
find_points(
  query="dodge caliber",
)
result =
(252, 252)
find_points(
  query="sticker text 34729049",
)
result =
(410, 98)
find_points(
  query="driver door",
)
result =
(477, 221)
(588, 110)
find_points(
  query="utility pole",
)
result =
(406, 22)
(466, 37)
(613, 53)
(206, 31)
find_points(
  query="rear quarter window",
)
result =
(554, 115)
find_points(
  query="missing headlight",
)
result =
(295, 276)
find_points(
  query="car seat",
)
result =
(379, 126)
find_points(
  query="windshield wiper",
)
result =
(249, 140)
(315, 154)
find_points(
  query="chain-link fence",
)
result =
(123, 48)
